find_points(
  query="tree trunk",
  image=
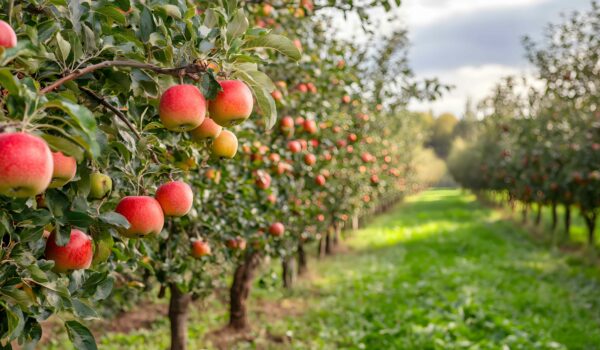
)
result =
(590, 222)
(287, 271)
(328, 243)
(240, 289)
(321, 247)
(568, 221)
(302, 259)
(178, 315)
(336, 234)
(538, 216)
(554, 215)
(525, 212)
(355, 225)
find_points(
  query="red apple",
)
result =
(26, 165)
(310, 126)
(8, 38)
(77, 254)
(320, 180)
(263, 179)
(182, 108)
(225, 145)
(294, 146)
(144, 214)
(310, 159)
(208, 129)
(233, 104)
(175, 198)
(64, 170)
(277, 229)
(200, 249)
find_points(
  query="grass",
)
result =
(438, 272)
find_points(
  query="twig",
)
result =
(119, 115)
(192, 71)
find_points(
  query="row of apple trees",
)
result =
(141, 150)
(540, 143)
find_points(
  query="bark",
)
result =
(554, 215)
(328, 243)
(590, 222)
(321, 247)
(355, 225)
(287, 271)
(178, 315)
(568, 220)
(525, 213)
(302, 259)
(336, 234)
(240, 289)
(538, 216)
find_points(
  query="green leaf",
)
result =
(112, 12)
(80, 336)
(276, 42)
(171, 10)
(79, 219)
(65, 146)
(114, 219)
(7, 81)
(16, 322)
(237, 26)
(263, 98)
(63, 46)
(147, 25)
(83, 310)
(210, 86)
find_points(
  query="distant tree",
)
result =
(443, 134)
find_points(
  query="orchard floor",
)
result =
(440, 271)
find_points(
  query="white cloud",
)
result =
(475, 82)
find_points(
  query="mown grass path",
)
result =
(443, 272)
(440, 271)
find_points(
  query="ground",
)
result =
(440, 271)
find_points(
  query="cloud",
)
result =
(475, 82)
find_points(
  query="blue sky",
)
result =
(473, 43)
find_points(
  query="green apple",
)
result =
(100, 185)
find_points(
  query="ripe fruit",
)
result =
(374, 179)
(277, 95)
(25, 165)
(310, 126)
(8, 38)
(182, 108)
(64, 170)
(294, 146)
(312, 88)
(237, 243)
(263, 179)
(175, 198)
(346, 99)
(75, 255)
(100, 185)
(320, 217)
(310, 159)
(277, 229)
(225, 145)
(287, 125)
(352, 138)
(267, 9)
(320, 180)
(274, 157)
(208, 129)
(272, 198)
(233, 104)
(144, 214)
(302, 88)
(200, 249)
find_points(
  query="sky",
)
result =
(472, 44)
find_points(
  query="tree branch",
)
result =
(119, 115)
(192, 71)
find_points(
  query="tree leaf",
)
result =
(210, 86)
(65, 146)
(112, 12)
(80, 336)
(276, 42)
(7, 81)
(114, 219)
(83, 310)
(237, 26)
(63, 46)
(263, 98)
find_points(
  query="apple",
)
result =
(144, 214)
(310, 159)
(200, 248)
(346, 99)
(298, 44)
(299, 121)
(175, 198)
(207, 130)
(320, 217)
(263, 179)
(277, 229)
(310, 126)
(182, 108)
(233, 104)
(237, 243)
(314, 143)
(349, 149)
(320, 180)
(77, 254)
(267, 9)
(287, 125)
(302, 88)
(225, 145)
(100, 185)
(341, 64)
(64, 169)
(8, 38)
(352, 138)
(25, 165)
(374, 179)
(272, 198)
(312, 88)
(294, 146)
(274, 157)
(277, 95)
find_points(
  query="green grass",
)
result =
(439, 272)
